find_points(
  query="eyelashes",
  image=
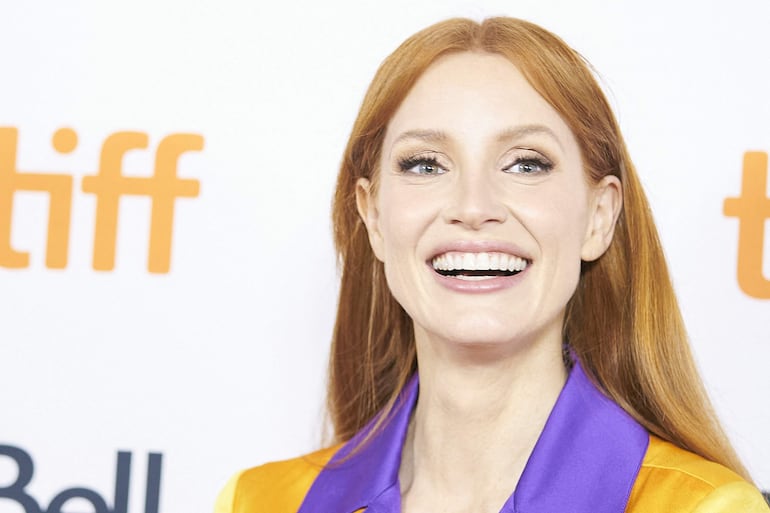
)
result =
(425, 165)
(529, 166)
(528, 163)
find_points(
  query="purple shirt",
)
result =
(585, 461)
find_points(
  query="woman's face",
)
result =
(482, 210)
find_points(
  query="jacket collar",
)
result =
(585, 461)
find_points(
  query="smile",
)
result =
(478, 266)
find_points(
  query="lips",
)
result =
(470, 266)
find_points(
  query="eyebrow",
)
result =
(525, 130)
(423, 135)
(516, 132)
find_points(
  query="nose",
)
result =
(475, 200)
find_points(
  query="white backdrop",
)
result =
(220, 363)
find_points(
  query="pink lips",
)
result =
(485, 285)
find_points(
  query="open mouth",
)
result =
(478, 266)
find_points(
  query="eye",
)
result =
(529, 166)
(421, 166)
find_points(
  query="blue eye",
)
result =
(529, 166)
(421, 166)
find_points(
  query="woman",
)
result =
(494, 235)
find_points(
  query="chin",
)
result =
(476, 333)
(484, 333)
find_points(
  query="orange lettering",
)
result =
(108, 185)
(752, 208)
(59, 189)
(163, 187)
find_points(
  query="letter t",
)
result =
(59, 189)
(751, 208)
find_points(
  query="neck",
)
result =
(477, 420)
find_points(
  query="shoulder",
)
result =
(277, 487)
(678, 481)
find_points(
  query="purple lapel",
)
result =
(585, 461)
(587, 457)
(369, 478)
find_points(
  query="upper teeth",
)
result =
(455, 261)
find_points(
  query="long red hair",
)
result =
(623, 321)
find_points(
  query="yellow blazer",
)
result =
(671, 480)
(591, 457)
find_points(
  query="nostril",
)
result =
(474, 204)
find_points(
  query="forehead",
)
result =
(474, 96)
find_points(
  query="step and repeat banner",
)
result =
(167, 280)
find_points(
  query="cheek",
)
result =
(557, 218)
(405, 215)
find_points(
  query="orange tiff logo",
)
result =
(752, 208)
(108, 185)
